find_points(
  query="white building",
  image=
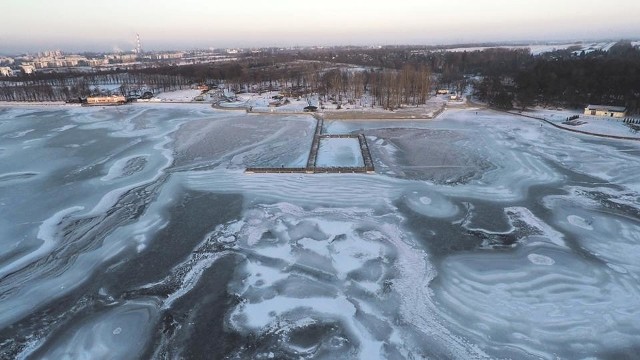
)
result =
(605, 110)
(168, 56)
(97, 62)
(6, 71)
(28, 69)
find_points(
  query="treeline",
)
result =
(440, 61)
(393, 88)
(451, 68)
(607, 78)
(62, 87)
(390, 76)
(514, 77)
(389, 88)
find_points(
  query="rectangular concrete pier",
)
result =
(313, 157)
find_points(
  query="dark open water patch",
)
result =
(194, 326)
(190, 219)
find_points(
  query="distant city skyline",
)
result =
(74, 25)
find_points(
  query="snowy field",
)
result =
(541, 49)
(588, 123)
(359, 108)
(535, 49)
(591, 47)
(179, 95)
(133, 232)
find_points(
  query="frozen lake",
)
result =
(132, 232)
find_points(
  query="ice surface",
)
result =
(346, 244)
(71, 176)
(114, 334)
(549, 297)
(484, 235)
(540, 259)
(339, 152)
(125, 167)
(431, 204)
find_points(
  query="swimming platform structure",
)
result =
(311, 167)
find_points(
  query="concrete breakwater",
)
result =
(311, 167)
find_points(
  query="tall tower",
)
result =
(138, 45)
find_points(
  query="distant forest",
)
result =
(394, 76)
(562, 79)
(66, 86)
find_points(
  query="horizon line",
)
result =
(70, 50)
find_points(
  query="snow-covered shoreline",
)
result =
(586, 124)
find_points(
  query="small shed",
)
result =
(606, 111)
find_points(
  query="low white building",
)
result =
(97, 62)
(167, 56)
(6, 71)
(106, 100)
(28, 69)
(605, 110)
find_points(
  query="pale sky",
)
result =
(104, 25)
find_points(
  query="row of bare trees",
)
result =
(62, 88)
(388, 88)
(408, 86)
